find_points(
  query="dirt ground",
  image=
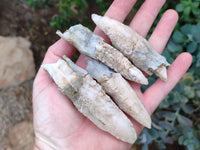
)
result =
(18, 19)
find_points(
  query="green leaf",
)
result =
(53, 24)
(196, 85)
(198, 93)
(168, 56)
(84, 2)
(153, 133)
(179, 7)
(195, 31)
(191, 48)
(195, 4)
(190, 147)
(166, 125)
(188, 132)
(196, 11)
(187, 79)
(178, 37)
(187, 108)
(183, 99)
(196, 141)
(164, 103)
(173, 47)
(181, 140)
(177, 88)
(198, 55)
(194, 58)
(176, 107)
(187, 11)
(198, 62)
(169, 116)
(188, 92)
(186, 142)
(184, 121)
(186, 29)
(146, 137)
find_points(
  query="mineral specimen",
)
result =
(133, 46)
(120, 90)
(93, 46)
(90, 99)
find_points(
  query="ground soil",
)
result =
(19, 19)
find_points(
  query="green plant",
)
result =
(178, 116)
(189, 11)
(76, 11)
(40, 3)
(70, 12)
(187, 38)
(174, 119)
(103, 5)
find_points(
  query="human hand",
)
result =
(58, 125)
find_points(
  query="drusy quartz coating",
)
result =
(90, 99)
(133, 46)
(120, 91)
(93, 46)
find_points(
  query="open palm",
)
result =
(58, 125)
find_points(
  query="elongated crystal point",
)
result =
(121, 92)
(133, 46)
(162, 72)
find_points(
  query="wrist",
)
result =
(42, 144)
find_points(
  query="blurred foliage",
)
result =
(40, 3)
(72, 12)
(189, 11)
(177, 119)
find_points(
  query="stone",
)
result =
(133, 46)
(15, 107)
(21, 136)
(16, 61)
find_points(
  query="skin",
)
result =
(56, 118)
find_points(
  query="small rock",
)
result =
(21, 136)
(16, 61)
(15, 107)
